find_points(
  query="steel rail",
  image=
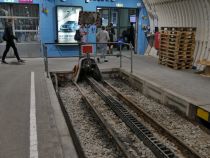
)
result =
(159, 149)
(103, 123)
(75, 139)
(186, 150)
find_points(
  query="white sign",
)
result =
(119, 5)
(67, 23)
(9, 1)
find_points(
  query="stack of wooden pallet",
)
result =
(177, 46)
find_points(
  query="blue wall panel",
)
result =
(142, 40)
(48, 34)
(48, 22)
(91, 6)
(62, 51)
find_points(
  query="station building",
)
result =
(37, 22)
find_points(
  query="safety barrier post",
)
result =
(120, 56)
(131, 47)
(46, 59)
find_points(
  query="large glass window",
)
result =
(25, 20)
(120, 17)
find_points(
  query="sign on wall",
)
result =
(9, 1)
(67, 23)
(87, 1)
(90, 18)
(25, 1)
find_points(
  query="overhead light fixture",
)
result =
(119, 5)
(139, 4)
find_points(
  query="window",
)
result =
(120, 17)
(25, 20)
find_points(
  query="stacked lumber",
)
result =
(177, 45)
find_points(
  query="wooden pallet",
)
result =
(163, 34)
(175, 66)
(174, 52)
(186, 49)
(174, 42)
(176, 60)
(187, 45)
(187, 36)
(193, 29)
(176, 56)
(164, 38)
(188, 33)
(187, 41)
(177, 45)
(180, 49)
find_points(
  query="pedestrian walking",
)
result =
(102, 37)
(9, 37)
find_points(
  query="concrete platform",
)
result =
(182, 88)
(52, 133)
(53, 137)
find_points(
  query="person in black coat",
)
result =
(131, 35)
(9, 38)
(111, 32)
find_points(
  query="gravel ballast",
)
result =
(94, 141)
(134, 145)
(191, 134)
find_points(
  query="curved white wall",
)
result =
(185, 13)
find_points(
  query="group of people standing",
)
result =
(106, 35)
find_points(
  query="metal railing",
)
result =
(45, 53)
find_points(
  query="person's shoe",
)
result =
(4, 62)
(21, 61)
(105, 60)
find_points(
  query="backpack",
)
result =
(4, 37)
(77, 36)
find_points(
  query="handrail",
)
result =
(44, 49)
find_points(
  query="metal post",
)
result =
(120, 56)
(45, 50)
(80, 52)
(131, 57)
(44, 57)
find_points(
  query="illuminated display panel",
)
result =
(133, 18)
(67, 23)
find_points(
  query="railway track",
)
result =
(183, 147)
(105, 125)
(123, 107)
(159, 149)
(128, 143)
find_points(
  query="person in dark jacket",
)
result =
(9, 38)
(111, 32)
(131, 35)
